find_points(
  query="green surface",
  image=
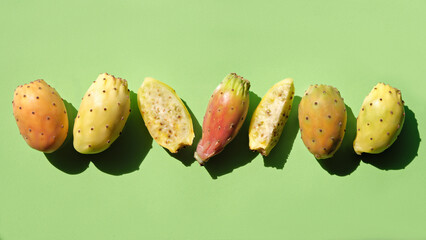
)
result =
(138, 190)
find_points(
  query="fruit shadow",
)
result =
(403, 150)
(237, 153)
(186, 154)
(124, 156)
(345, 160)
(279, 154)
(66, 158)
(129, 150)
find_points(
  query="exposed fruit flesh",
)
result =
(270, 116)
(165, 115)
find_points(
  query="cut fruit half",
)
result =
(165, 115)
(270, 116)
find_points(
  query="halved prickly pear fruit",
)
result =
(270, 116)
(40, 115)
(380, 119)
(226, 112)
(102, 114)
(322, 120)
(165, 115)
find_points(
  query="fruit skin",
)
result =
(380, 120)
(226, 112)
(270, 116)
(40, 115)
(165, 115)
(322, 120)
(102, 115)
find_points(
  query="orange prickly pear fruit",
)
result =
(40, 115)
(322, 120)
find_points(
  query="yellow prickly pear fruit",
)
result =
(102, 114)
(380, 120)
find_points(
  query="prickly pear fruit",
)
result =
(102, 115)
(322, 120)
(380, 120)
(226, 112)
(270, 116)
(166, 117)
(40, 115)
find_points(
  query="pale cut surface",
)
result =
(165, 115)
(270, 116)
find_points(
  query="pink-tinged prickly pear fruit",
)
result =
(41, 116)
(226, 112)
(166, 117)
(380, 120)
(322, 120)
(102, 115)
(270, 116)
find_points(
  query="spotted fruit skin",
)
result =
(380, 120)
(102, 114)
(40, 115)
(165, 115)
(226, 112)
(270, 116)
(322, 120)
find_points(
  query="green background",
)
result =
(136, 189)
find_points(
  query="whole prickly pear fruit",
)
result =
(322, 120)
(40, 115)
(166, 117)
(270, 116)
(380, 120)
(102, 115)
(226, 112)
